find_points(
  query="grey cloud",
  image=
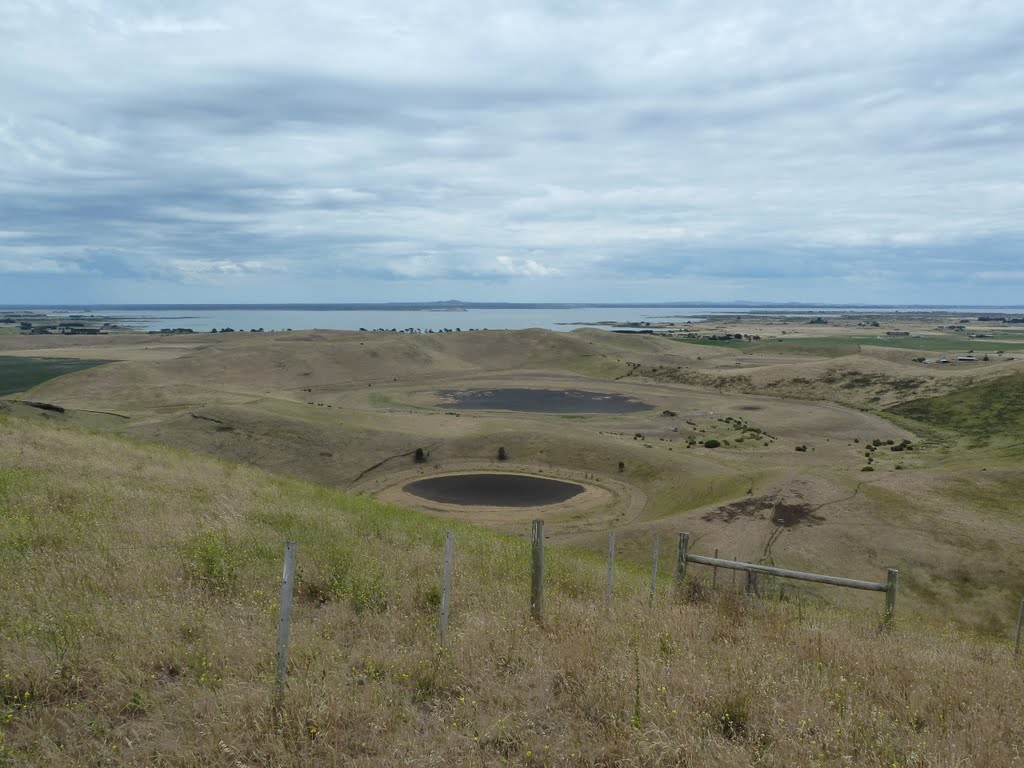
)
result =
(742, 146)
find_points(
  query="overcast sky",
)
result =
(521, 150)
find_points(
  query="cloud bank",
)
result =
(244, 151)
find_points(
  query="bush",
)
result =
(419, 457)
(502, 455)
(867, 469)
(712, 443)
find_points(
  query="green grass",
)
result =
(824, 347)
(838, 346)
(19, 374)
(981, 413)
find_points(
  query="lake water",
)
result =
(240, 317)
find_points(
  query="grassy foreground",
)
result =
(137, 625)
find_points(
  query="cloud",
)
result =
(674, 146)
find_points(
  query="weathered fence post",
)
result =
(537, 583)
(654, 568)
(284, 622)
(446, 584)
(682, 549)
(891, 582)
(611, 572)
(1020, 621)
(714, 572)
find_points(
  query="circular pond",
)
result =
(483, 489)
(541, 401)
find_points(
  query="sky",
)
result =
(324, 151)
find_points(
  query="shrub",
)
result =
(502, 454)
(712, 443)
(212, 561)
(419, 457)
(868, 468)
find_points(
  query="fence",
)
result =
(683, 558)
(888, 586)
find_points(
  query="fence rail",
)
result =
(888, 586)
(838, 581)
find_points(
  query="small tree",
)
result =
(622, 466)
(502, 455)
(419, 456)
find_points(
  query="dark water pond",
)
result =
(541, 401)
(482, 489)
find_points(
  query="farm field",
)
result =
(18, 374)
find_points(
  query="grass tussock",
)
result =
(137, 627)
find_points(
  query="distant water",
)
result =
(279, 318)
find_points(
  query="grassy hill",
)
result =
(993, 409)
(137, 624)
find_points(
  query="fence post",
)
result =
(682, 549)
(891, 582)
(611, 572)
(284, 622)
(654, 568)
(446, 584)
(1020, 620)
(537, 583)
(714, 572)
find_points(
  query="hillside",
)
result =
(349, 411)
(993, 410)
(138, 621)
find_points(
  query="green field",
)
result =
(837, 346)
(19, 374)
(982, 412)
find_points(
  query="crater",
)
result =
(541, 401)
(492, 489)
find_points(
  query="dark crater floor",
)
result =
(541, 401)
(493, 490)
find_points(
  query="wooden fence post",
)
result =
(611, 572)
(284, 622)
(682, 549)
(891, 582)
(654, 568)
(714, 573)
(537, 583)
(1020, 621)
(446, 584)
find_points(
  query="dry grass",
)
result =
(139, 605)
